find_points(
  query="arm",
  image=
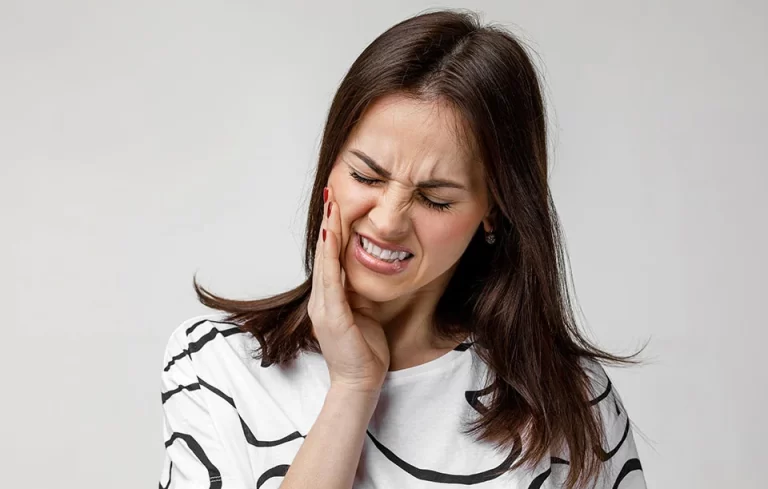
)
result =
(619, 454)
(330, 454)
(194, 454)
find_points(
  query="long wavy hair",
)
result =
(513, 296)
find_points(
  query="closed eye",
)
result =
(440, 207)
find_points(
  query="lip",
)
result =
(385, 246)
(375, 264)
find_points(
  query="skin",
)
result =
(415, 141)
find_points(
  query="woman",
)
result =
(433, 342)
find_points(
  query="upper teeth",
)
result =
(383, 254)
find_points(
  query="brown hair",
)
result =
(512, 296)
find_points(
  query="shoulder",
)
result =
(603, 394)
(609, 408)
(197, 327)
(617, 450)
(600, 384)
(183, 331)
(195, 336)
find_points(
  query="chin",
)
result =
(370, 290)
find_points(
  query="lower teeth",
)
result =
(388, 260)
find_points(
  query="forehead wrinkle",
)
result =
(394, 159)
(399, 139)
(426, 152)
(387, 173)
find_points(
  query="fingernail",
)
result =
(323, 234)
(329, 209)
(325, 195)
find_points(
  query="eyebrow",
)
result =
(431, 183)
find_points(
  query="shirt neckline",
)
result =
(406, 375)
(443, 362)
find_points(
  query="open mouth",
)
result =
(392, 256)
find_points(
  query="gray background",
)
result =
(143, 141)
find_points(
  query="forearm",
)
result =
(329, 456)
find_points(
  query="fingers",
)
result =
(332, 223)
(317, 296)
(335, 297)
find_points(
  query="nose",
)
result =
(389, 218)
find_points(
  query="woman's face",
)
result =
(411, 142)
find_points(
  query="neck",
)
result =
(408, 324)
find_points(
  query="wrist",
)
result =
(356, 394)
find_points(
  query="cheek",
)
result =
(448, 234)
(351, 212)
(350, 201)
(350, 204)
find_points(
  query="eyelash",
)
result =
(433, 205)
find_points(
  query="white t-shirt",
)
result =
(230, 422)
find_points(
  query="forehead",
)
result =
(423, 137)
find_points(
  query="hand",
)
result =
(352, 340)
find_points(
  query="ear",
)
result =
(489, 221)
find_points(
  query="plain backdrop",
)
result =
(143, 141)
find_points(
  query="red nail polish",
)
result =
(323, 234)
(325, 195)
(329, 209)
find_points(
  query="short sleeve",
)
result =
(195, 457)
(618, 452)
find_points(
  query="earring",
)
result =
(490, 238)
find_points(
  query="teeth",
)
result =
(388, 255)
